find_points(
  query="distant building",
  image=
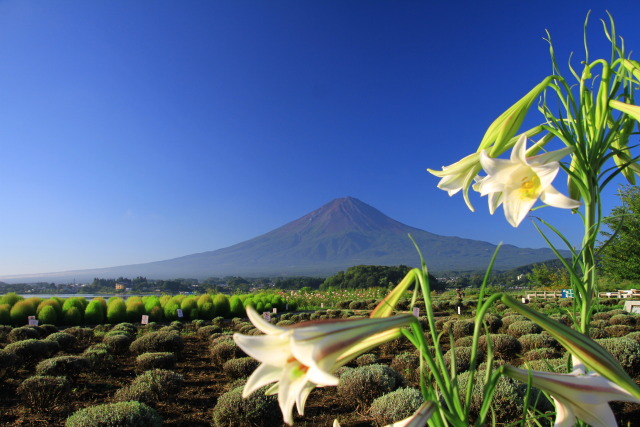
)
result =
(120, 286)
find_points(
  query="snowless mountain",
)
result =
(343, 233)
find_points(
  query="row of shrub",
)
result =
(16, 310)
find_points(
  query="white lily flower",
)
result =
(577, 395)
(459, 176)
(517, 183)
(455, 175)
(300, 357)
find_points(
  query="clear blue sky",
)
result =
(136, 131)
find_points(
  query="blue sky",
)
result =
(141, 131)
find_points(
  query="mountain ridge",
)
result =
(340, 234)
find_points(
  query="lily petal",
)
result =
(580, 395)
(553, 197)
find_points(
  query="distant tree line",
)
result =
(370, 276)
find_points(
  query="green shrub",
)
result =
(597, 333)
(158, 360)
(65, 341)
(635, 336)
(198, 323)
(207, 331)
(119, 344)
(76, 302)
(44, 393)
(244, 328)
(94, 313)
(116, 310)
(622, 319)
(188, 304)
(23, 333)
(462, 358)
(523, 327)
(395, 406)
(626, 351)
(99, 357)
(235, 307)
(158, 341)
(11, 298)
(367, 359)
(617, 331)
(258, 410)
(240, 367)
(508, 320)
(48, 314)
(204, 299)
(20, 312)
(407, 365)
(135, 309)
(46, 329)
(221, 305)
(223, 350)
(362, 385)
(546, 365)
(151, 386)
(508, 399)
(84, 336)
(171, 311)
(122, 414)
(393, 347)
(542, 353)
(533, 341)
(462, 328)
(5, 314)
(285, 322)
(72, 316)
(7, 362)
(602, 315)
(207, 311)
(504, 346)
(494, 322)
(126, 327)
(29, 352)
(464, 342)
(69, 366)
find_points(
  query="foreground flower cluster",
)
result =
(596, 119)
(300, 358)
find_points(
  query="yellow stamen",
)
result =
(529, 187)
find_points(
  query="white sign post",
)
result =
(180, 314)
(416, 311)
(32, 321)
(144, 320)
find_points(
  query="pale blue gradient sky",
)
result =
(135, 131)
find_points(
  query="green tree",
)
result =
(619, 252)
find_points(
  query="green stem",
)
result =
(589, 298)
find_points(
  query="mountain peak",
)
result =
(342, 233)
(347, 214)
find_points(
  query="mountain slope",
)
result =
(342, 233)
